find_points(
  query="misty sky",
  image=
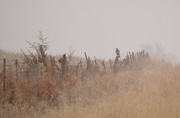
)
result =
(93, 26)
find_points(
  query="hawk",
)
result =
(117, 52)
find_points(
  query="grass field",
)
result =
(150, 91)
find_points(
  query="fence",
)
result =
(26, 70)
(59, 69)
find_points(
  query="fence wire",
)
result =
(24, 70)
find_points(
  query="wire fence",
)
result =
(25, 69)
(58, 69)
(30, 69)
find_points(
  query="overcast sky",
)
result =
(93, 26)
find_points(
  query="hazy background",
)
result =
(93, 26)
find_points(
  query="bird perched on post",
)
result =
(117, 52)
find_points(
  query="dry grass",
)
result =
(149, 92)
(154, 95)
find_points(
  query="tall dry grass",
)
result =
(150, 91)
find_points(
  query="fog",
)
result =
(93, 26)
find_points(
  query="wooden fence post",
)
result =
(64, 65)
(4, 75)
(82, 72)
(16, 63)
(110, 62)
(4, 81)
(103, 64)
(77, 68)
(97, 66)
(116, 61)
(88, 65)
